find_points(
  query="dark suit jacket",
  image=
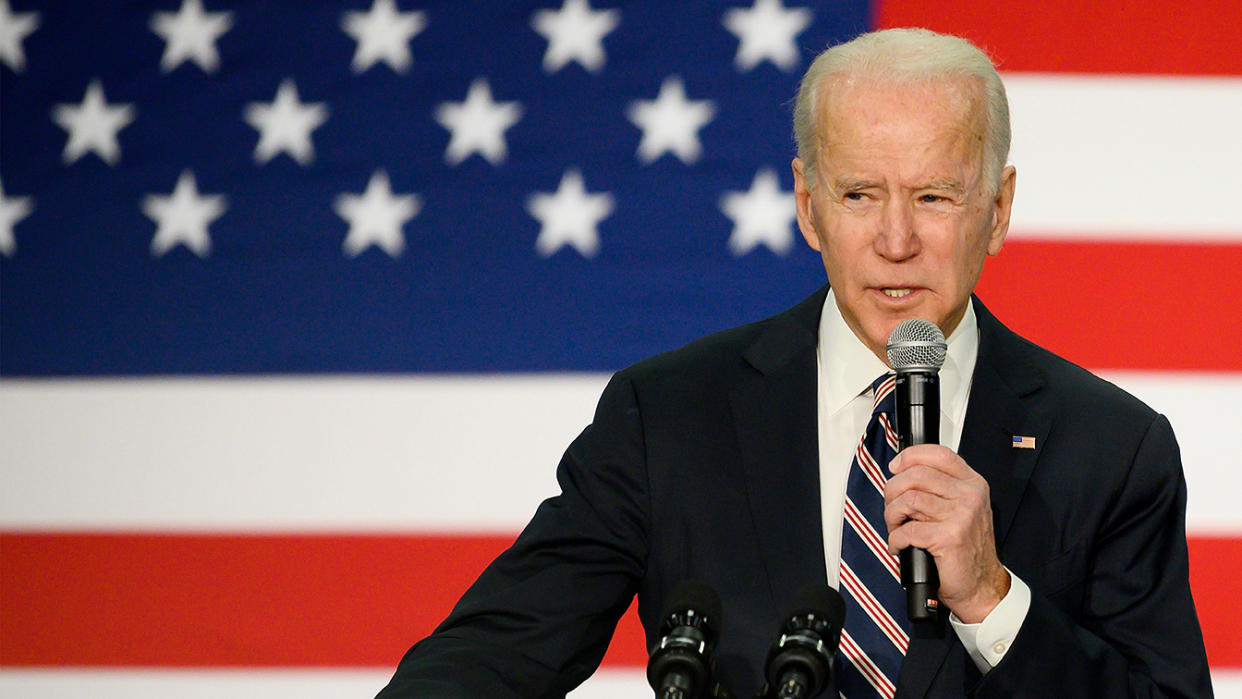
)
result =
(703, 463)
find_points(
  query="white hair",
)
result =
(905, 56)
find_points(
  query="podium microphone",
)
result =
(800, 662)
(916, 351)
(680, 666)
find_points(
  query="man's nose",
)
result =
(897, 239)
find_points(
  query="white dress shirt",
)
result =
(846, 370)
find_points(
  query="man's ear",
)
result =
(1002, 207)
(802, 197)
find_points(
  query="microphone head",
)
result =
(822, 601)
(916, 344)
(681, 661)
(808, 641)
(692, 603)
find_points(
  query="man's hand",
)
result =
(935, 501)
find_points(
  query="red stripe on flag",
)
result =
(125, 600)
(1215, 569)
(89, 599)
(1105, 36)
(1122, 305)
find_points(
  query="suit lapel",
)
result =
(775, 409)
(994, 415)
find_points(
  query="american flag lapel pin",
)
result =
(1020, 442)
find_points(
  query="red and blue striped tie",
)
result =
(875, 637)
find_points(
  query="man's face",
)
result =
(899, 209)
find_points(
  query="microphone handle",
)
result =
(918, 408)
(918, 422)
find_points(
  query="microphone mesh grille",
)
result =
(916, 344)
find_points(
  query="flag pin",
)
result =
(1023, 442)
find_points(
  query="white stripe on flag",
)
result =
(1116, 156)
(303, 683)
(412, 453)
(461, 454)
(311, 684)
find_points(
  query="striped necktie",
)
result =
(875, 637)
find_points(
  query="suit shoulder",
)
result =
(708, 358)
(718, 358)
(1080, 392)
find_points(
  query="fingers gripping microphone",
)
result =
(680, 664)
(800, 662)
(916, 351)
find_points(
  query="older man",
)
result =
(1063, 566)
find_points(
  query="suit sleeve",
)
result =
(1137, 633)
(538, 620)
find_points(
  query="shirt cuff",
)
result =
(989, 640)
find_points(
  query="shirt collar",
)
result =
(847, 367)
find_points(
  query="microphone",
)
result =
(799, 664)
(916, 351)
(681, 663)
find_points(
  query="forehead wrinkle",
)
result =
(860, 120)
(849, 184)
(949, 184)
(840, 157)
(846, 182)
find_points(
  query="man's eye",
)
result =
(854, 196)
(931, 198)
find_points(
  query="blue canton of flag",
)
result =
(203, 186)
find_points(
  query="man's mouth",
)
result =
(897, 293)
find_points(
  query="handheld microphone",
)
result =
(916, 351)
(681, 663)
(800, 662)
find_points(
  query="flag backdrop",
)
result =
(301, 301)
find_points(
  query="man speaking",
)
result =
(1053, 506)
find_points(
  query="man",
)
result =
(731, 460)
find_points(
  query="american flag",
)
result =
(1020, 442)
(300, 301)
